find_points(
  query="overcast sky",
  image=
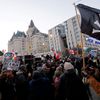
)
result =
(16, 15)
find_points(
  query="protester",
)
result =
(21, 84)
(56, 78)
(7, 87)
(39, 87)
(51, 79)
(71, 87)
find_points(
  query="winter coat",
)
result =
(21, 87)
(39, 88)
(7, 88)
(71, 87)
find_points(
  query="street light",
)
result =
(86, 39)
(43, 47)
(51, 35)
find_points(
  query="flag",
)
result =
(71, 52)
(1, 53)
(90, 20)
(3, 50)
(57, 55)
(13, 50)
(52, 49)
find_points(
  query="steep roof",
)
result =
(44, 34)
(31, 24)
(18, 34)
(32, 29)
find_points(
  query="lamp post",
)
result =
(51, 41)
(43, 48)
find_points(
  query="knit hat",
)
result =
(9, 69)
(68, 65)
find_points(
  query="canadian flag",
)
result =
(52, 49)
(71, 52)
(57, 55)
(14, 57)
(3, 50)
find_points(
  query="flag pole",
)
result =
(82, 44)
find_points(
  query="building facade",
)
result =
(73, 35)
(57, 37)
(32, 42)
(17, 43)
(68, 35)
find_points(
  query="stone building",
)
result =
(32, 42)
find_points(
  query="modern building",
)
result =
(65, 35)
(32, 42)
(73, 35)
(68, 35)
(57, 37)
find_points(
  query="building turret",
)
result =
(31, 24)
(32, 29)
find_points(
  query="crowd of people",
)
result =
(51, 79)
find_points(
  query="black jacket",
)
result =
(71, 87)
